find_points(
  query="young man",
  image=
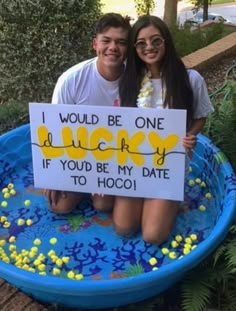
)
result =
(93, 82)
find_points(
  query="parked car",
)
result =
(198, 19)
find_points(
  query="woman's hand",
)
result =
(189, 142)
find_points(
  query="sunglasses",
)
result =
(155, 43)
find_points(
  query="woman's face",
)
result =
(150, 46)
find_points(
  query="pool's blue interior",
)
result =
(88, 237)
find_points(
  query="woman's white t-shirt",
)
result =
(202, 105)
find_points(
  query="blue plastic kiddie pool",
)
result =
(77, 260)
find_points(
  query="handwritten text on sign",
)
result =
(110, 150)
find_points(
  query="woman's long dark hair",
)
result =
(179, 94)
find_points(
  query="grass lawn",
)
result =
(222, 1)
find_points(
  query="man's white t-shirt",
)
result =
(83, 85)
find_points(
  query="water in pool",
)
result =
(83, 245)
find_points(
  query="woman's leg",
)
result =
(127, 214)
(102, 203)
(158, 219)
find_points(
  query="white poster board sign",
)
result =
(111, 150)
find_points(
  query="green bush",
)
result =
(222, 122)
(13, 115)
(39, 40)
(187, 41)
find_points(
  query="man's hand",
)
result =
(53, 196)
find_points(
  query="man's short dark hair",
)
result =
(112, 20)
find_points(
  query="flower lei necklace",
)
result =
(144, 99)
(145, 93)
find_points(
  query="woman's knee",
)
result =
(155, 236)
(127, 215)
(125, 231)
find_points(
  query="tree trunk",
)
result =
(205, 10)
(170, 12)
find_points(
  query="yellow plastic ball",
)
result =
(79, 276)
(10, 186)
(172, 255)
(56, 271)
(37, 262)
(29, 222)
(54, 258)
(153, 261)
(27, 202)
(71, 274)
(12, 239)
(202, 208)
(26, 267)
(12, 191)
(26, 260)
(187, 246)
(3, 218)
(6, 224)
(2, 242)
(193, 237)
(6, 195)
(42, 267)
(4, 204)
(51, 253)
(59, 262)
(41, 256)
(24, 252)
(179, 238)
(12, 248)
(37, 242)
(32, 254)
(186, 251)
(34, 249)
(174, 244)
(65, 259)
(188, 241)
(208, 195)
(6, 259)
(20, 222)
(191, 182)
(165, 251)
(53, 241)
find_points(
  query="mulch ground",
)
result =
(216, 74)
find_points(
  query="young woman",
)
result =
(153, 64)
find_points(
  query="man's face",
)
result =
(111, 47)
